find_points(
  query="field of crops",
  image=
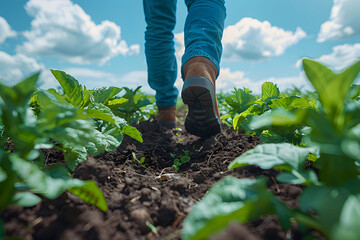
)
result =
(95, 164)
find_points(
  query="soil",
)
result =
(155, 193)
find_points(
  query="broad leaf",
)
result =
(132, 132)
(101, 142)
(100, 111)
(104, 94)
(77, 94)
(90, 193)
(229, 200)
(269, 90)
(290, 103)
(51, 187)
(26, 199)
(337, 208)
(332, 88)
(116, 103)
(74, 155)
(19, 94)
(278, 156)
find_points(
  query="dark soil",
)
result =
(157, 193)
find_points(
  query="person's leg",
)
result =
(200, 65)
(203, 31)
(160, 16)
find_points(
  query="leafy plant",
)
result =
(140, 161)
(330, 202)
(23, 175)
(82, 103)
(181, 159)
(134, 109)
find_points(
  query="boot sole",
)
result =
(198, 93)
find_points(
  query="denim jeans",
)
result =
(202, 32)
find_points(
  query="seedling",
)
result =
(140, 161)
(181, 159)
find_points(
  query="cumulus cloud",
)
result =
(62, 29)
(229, 79)
(342, 56)
(14, 68)
(344, 21)
(5, 30)
(250, 39)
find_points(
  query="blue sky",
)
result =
(101, 43)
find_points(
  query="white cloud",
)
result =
(250, 39)
(62, 29)
(5, 30)
(344, 21)
(229, 79)
(341, 57)
(15, 68)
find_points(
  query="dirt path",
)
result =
(157, 194)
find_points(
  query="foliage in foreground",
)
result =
(330, 202)
(77, 121)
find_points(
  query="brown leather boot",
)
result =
(167, 116)
(199, 94)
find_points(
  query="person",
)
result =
(203, 32)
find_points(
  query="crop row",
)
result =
(325, 131)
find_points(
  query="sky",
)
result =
(101, 43)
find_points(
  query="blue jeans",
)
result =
(203, 32)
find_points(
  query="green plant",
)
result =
(181, 159)
(140, 161)
(97, 104)
(272, 99)
(330, 203)
(134, 110)
(23, 174)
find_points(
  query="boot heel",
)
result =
(198, 93)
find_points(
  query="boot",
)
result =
(199, 94)
(167, 117)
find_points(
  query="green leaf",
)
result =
(20, 94)
(184, 159)
(283, 156)
(116, 103)
(255, 109)
(132, 132)
(3, 175)
(337, 208)
(77, 94)
(101, 143)
(266, 156)
(152, 227)
(290, 103)
(49, 99)
(26, 199)
(90, 193)
(51, 187)
(241, 100)
(74, 155)
(229, 200)
(104, 94)
(100, 111)
(349, 222)
(332, 88)
(269, 90)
